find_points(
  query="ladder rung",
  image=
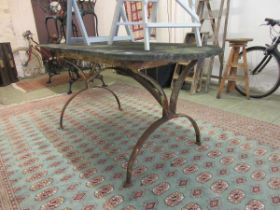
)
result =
(189, 79)
(176, 76)
(235, 78)
(173, 25)
(184, 63)
(99, 39)
(209, 18)
(163, 25)
(153, 1)
(239, 65)
(130, 23)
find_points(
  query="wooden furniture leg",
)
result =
(226, 72)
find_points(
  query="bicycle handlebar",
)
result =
(272, 22)
(27, 34)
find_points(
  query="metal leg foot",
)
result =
(195, 126)
(102, 80)
(139, 145)
(70, 87)
(66, 105)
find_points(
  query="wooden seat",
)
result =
(230, 73)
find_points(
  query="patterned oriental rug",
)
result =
(83, 166)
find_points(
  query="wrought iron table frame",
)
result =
(123, 58)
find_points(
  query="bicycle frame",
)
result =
(55, 63)
(267, 57)
(33, 45)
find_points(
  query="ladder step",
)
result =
(175, 76)
(149, 1)
(184, 63)
(130, 23)
(162, 25)
(235, 78)
(99, 39)
(189, 79)
(209, 18)
(239, 65)
(173, 25)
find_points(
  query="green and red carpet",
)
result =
(83, 166)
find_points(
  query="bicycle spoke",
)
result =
(264, 72)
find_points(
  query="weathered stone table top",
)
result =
(132, 55)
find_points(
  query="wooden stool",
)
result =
(230, 72)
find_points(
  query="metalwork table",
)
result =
(130, 58)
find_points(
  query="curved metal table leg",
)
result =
(139, 145)
(151, 86)
(169, 112)
(66, 105)
(146, 135)
(76, 94)
(113, 93)
(194, 124)
(71, 80)
(93, 77)
(178, 85)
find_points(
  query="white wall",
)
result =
(15, 18)
(6, 25)
(247, 16)
(105, 11)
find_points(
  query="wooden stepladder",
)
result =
(73, 8)
(119, 19)
(205, 12)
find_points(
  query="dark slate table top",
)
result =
(128, 51)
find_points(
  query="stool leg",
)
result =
(194, 80)
(175, 75)
(208, 74)
(246, 72)
(233, 71)
(197, 77)
(226, 72)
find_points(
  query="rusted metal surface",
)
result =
(129, 59)
(178, 85)
(87, 80)
(146, 135)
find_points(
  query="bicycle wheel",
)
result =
(264, 72)
(28, 67)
